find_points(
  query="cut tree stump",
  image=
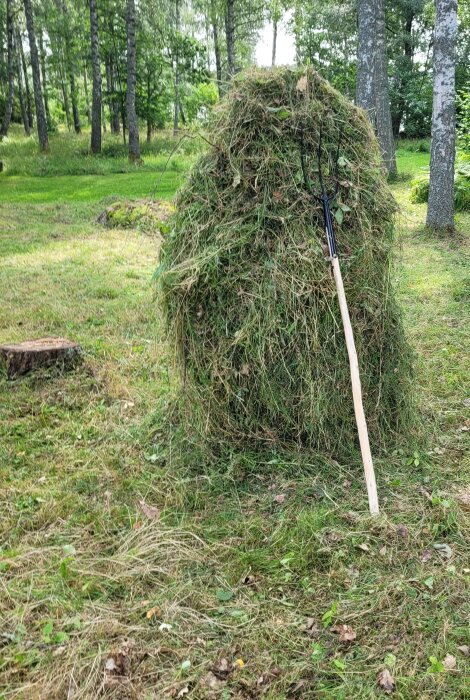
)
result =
(35, 354)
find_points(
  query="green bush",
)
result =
(420, 187)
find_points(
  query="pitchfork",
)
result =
(326, 198)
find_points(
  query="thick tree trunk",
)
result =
(366, 47)
(29, 102)
(10, 71)
(216, 40)
(132, 124)
(440, 213)
(273, 54)
(42, 57)
(19, 78)
(230, 38)
(383, 115)
(41, 123)
(96, 91)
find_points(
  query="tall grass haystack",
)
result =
(248, 291)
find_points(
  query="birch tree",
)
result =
(41, 124)
(383, 115)
(132, 125)
(10, 70)
(440, 213)
(366, 47)
(96, 90)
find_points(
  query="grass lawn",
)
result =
(134, 565)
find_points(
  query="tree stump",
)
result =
(35, 354)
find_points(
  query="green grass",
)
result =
(252, 557)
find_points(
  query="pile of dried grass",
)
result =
(248, 293)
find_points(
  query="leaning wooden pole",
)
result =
(356, 391)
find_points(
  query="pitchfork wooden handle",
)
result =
(357, 392)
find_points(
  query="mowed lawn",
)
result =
(136, 564)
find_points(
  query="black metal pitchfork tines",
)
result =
(324, 197)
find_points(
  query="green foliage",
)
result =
(463, 118)
(420, 187)
(246, 289)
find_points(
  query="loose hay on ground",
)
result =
(248, 294)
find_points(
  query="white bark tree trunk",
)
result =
(366, 49)
(383, 115)
(441, 184)
(132, 123)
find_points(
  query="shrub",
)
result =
(420, 187)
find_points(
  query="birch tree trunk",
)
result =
(96, 75)
(10, 71)
(176, 112)
(70, 67)
(132, 125)
(366, 48)
(215, 38)
(29, 102)
(440, 215)
(42, 63)
(230, 37)
(383, 116)
(273, 54)
(19, 78)
(41, 123)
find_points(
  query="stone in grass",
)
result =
(29, 355)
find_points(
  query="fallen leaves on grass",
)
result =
(450, 662)
(402, 531)
(426, 556)
(346, 633)
(386, 681)
(464, 498)
(280, 498)
(464, 649)
(151, 512)
(443, 549)
(152, 612)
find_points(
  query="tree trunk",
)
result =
(96, 94)
(215, 37)
(273, 55)
(29, 102)
(112, 103)
(70, 68)
(366, 27)
(87, 97)
(230, 37)
(132, 124)
(19, 77)
(10, 71)
(65, 98)
(440, 213)
(41, 123)
(149, 105)
(382, 99)
(115, 102)
(400, 81)
(42, 57)
(176, 113)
